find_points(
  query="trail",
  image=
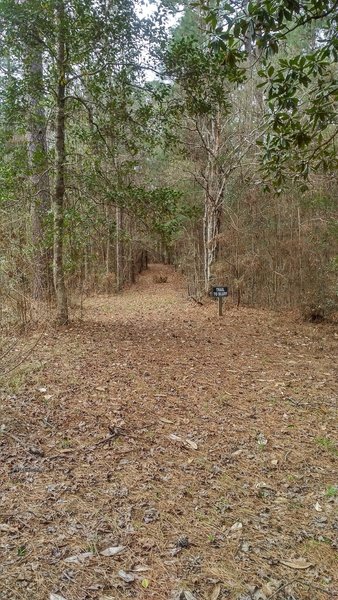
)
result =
(204, 446)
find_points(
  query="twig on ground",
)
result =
(84, 448)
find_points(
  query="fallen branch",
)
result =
(197, 301)
(84, 448)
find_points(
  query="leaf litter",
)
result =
(87, 490)
(112, 551)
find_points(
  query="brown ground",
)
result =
(88, 463)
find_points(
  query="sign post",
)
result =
(220, 306)
(220, 292)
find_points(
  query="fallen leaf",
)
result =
(237, 452)
(56, 597)
(191, 444)
(261, 439)
(43, 390)
(188, 595)
(78, 559)
(112, 550)
(151, 515)
(318, 508)
(145, 583)
(216, 592)
(140, 569)
(297, 563)
(236, 526)
(164, 420)
(8, 528)
(270, 587)
(175, 438)
(258, 595)
(187, 443)
(127, 577)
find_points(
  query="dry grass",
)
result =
(140, 367)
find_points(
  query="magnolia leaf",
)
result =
(127, 577)
(79, 559)
(297, 563)
(216, 592)
(112, 550)
(236, 526)
(188, 595)
(7, 528)
(191, 444)
(175, 438)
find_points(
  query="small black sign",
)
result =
(220, 291)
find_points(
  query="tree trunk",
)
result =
(108, 251)
(213, 197)
(119, 249)
(59, 280)
(211, 229)
(37, 153)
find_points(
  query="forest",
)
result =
(152, 447)
(203, 136)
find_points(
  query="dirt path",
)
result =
(205, 447)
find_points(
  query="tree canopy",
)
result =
(294, 45)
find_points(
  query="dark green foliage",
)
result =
(299, 81)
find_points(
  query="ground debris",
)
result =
(216, 592)
(127, 577)
(79, 559)
(112, 551)
(185, 442)
(113, 477)
(297, 563)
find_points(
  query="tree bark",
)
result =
(119, 249)
(213, 195)
(211, 229)
(38, 161)
(59, 279)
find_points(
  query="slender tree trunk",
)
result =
(119, 249)
(37, 152)
(211, 229)
(59, 280)
(108, 250)
(213, 197)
